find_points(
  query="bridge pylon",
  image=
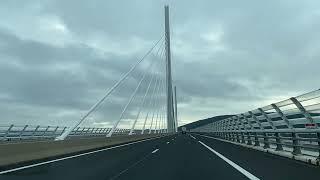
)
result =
(170, 107)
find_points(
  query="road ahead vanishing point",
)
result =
(189, 156)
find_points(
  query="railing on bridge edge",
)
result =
(27, 132)
(290, 125)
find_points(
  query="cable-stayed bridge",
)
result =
(278, 141)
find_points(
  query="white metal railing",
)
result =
(291, 125)
(18, 132)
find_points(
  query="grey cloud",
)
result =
(263, 50)
(39, 83)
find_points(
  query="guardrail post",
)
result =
(237, 128)
(92, 133)
(306, 114)
(100, 131)
(106, 131)
(55, 130)
(266, 141)
(81, 132)
(249, 141)
(232, 128)
(63, 130)
(228, 129)
(283, 117)
(242, 131)
(318, 136)
(296, 149)
(103, 130)
(230, 136)
(238, 136)
(254, 117)
(267, 118)
(256, 139)
(21, 133)
(278, 142)
(44, 133)
(303, 110)
(235, 136)
(242, 138)
(249, 138)
(75, 131)
(8, 131)
(295, 142)
(35, 130)
(87, 131)
(96, 131)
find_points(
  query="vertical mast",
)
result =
(170, 120)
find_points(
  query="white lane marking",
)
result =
(131, 166)
(192, 136)
(172, 139)
(155, 151)
(237, 167)
(168, 142)
(74, 156)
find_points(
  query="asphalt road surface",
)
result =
(180, 157)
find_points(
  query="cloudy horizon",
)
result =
(59, 57)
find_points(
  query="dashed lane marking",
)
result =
(154, 151)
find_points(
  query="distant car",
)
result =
(184, 130)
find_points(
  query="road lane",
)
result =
(172, 157)
(183, 158)
(264, 165)
(101, 165)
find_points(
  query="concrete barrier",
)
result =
(17, 153)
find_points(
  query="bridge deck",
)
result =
(171, 157)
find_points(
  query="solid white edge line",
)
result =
(237, 167)
(74, 156)
(155, 151)
(192, 136)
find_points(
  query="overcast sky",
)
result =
(57, 58)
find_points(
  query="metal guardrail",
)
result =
(16, 132)
(289, 125)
